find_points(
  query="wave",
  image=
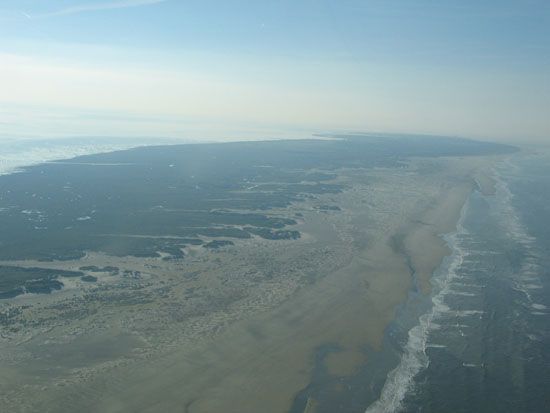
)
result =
(414, 358)
(526, 279)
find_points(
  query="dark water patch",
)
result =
(351, 393)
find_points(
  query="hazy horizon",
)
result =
(235, 69)
(299, 206)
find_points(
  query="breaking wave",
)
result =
(526, 280)
(414, 359)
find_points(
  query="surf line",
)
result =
(414, 359)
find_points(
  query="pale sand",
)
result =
(423, 242)
(262, 371)
(260, 363)
(344, 363)
(244, 371)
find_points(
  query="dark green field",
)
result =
(148, 200)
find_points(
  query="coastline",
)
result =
(443, 234)
(414, 358)
(17, 156)
(424, 243)
(334, 325)
(349, 309)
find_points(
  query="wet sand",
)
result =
(260, 363)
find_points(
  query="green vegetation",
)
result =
(18, 280)
(270, 234)
(218, 244)
(328, 208)
(152, 200)
(93, 268)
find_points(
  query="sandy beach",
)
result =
(388, 239)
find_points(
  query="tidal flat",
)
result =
(238, 277)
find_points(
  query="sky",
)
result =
(236, 68)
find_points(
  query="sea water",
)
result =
(482, 341)
(16, 154)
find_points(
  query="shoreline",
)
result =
(413, 358)
(266, 360)
(398, 382)
(39, 152)
(351, 315)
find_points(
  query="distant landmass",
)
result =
(246, 276)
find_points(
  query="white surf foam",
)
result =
(467, 313)
(414, 359)
(462, 293)
(431, 345)
(526, 280)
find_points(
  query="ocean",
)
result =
(478, 343)
(481, 342)
(16, 154)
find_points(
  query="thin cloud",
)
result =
(90, 7)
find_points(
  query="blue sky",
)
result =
(222, 68)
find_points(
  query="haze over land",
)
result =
(294, 206)
(237, 277)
